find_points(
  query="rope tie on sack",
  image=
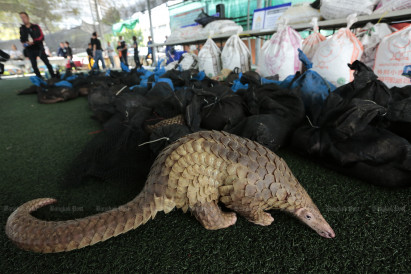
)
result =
(118, 92)
(159, 139)
(311, 124)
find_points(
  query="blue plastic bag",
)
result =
(314, 88)
(176, 57)
(63, 84)
(407, 71)
(238, 85)
(124, 67)
(72, 77)
(200, 76)
(38, 81)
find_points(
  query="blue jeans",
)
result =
(98, 56)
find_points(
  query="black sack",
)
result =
(399, 112)
(161, 137)
(225, 108)
(4, 56)
(277, 113)
(345, 133)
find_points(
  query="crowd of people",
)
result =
(34, 48)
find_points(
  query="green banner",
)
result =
(128, 24)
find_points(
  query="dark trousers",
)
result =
(72, 65)
(33, 54)
(124, 58)
(137, 60)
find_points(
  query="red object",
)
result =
(77, 63)
(41, 37)
(400, 26)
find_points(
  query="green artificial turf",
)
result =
(38, 142)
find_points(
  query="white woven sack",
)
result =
(391, 5)
(221, 27)
(333, 9)
(189, 61)
(371, 39)
(171, 66)
(299, 14)
(312, 42)
(209, 59)
(393, 54)
(236, 54)
(332, 56)
(279, 55)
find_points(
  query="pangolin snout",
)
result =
(328, 233)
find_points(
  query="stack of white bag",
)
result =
(186, 33)
(393, 54)
(333, 9)
(235, 54)
(279, 55)
(221, 27)
(333, 55)
(391, 5)
(371, 38)
(209, 59)
(297, 14)
(312, 42)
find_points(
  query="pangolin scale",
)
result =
(194, 173)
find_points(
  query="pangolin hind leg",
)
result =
(211, 217)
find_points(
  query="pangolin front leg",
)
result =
(254, 215)
(212, 217)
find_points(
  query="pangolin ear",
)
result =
(300, 211)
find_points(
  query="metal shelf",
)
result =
(327, 24)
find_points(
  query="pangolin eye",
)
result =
(308, 217)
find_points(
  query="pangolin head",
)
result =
(311, 216)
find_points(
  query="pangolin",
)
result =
(194, 173)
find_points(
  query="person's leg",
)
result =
(137, 61)
(96, 58)
(111, 61)
(102, 59)
(32, 54)
(125, 58)
(45, 60)
(98, 54)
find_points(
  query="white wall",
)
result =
(161, 23)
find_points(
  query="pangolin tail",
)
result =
(33, 234)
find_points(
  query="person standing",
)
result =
(31, 36)
(69, 55)
(123, 49)
(150, 49)
(15, 54)
(136, 58)
(110, 53)
(62, 52)
(170, 51)
(97, 51)
(89, 51)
